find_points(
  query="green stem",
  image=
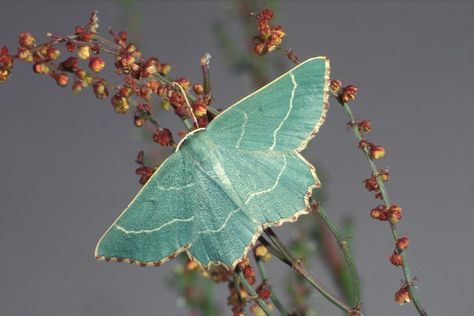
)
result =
(237, 289)
(273, 296)
(393, 227)
(299, 268)
(344, 245)
(252, 292)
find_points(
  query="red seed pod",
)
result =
(26, 40)
(348, 93)
(384, 174)
(396, 259)
(145, 93)
(165, 69)
(125, 91)
(402, 243)
(61, 79)
(70, 46)
(69, 64)
(363, 144)
(122, 35)
(198, 88)
(376, 152)
(163, 137)
(77, 87)
(100, 89)
(371, 184)
(176, 99)
(199, 108)
(335, 86)
(81, 74)
(120, 104)
(260, 49)
(402, 296)
(379, 213)
(96, 64)
(4, 74)
(153, 85)
(53, 53)
(138, 121)
(394, 214)
(41, 68)
(184, 83)
(263, 291)
(266, 14)
(24, 54)
(364, 126)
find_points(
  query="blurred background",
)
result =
(67, 162)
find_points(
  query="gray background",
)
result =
(66, 162)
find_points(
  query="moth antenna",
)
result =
(187, 102)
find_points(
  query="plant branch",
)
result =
(300, 269)
(252, 293)
(273, 296)
(344, 246)
(405, 266)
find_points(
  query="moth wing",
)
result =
(158, 223)
(281, 116)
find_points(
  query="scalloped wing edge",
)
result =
(185, 248)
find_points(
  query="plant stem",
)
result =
(273, 296)
(237, 289)
(299, 268)
(252, 292)
(405, 266)
(344, 245)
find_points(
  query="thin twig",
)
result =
(393, 227)
(252, 293)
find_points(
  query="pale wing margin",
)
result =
(282, 116)
(157, 225)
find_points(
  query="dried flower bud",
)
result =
(263, 291)
(4, 74)
(69, 64)
(24, 54)
(53, 53)
(83, 52)
(402, 243)
(199, 108)
(145, 92)
(163, 137)
(260, 251)
(364, 126)
(394, 214)
(61, 79)
(402, 296)
(384, 175)
(335, 86)
(120, 104)
(191, 265)
(379, 213)
(77, 87)
(138, 121)
(396, 259)
(100, 89)
(348, 93)
(26, 40)
(41, 68)
(96, 64)
(165, 69)
(198, 88)
(184, 83)
(363, 144)
(371, 184)
(260, 49)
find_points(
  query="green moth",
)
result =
(227, 182)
